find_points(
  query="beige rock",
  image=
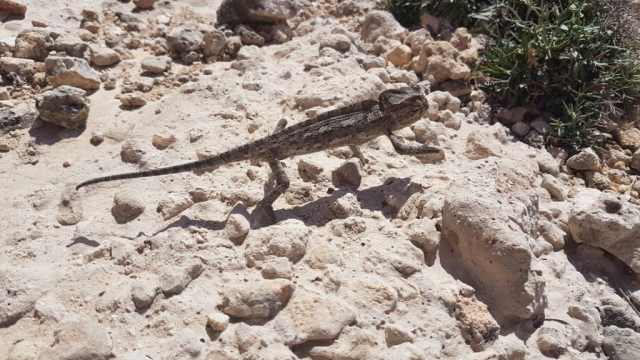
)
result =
(32, 44)
(126, 207)
(175, 280)
(174, 204)
(585, 160)
(258, 300)
(267, 243)
(491, 202)
(312, 317)
(163, 139)
(80, 340)
(381, 23)
(399, 55)
(76, 72)
(609, 222)
(353, 343)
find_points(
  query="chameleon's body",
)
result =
(349, 126)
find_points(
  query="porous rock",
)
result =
(80, 340)
(381, 23)
(609, 222)
(32, 44)
(259, 300)
(175, 280)
(621, 344)
(313, 317)
(65, 106)
(484, 217)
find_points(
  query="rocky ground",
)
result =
(500, 250)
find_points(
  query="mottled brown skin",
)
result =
(349, 126)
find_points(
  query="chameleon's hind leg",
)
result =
(406, 149)
(263, 214)
(358, 154)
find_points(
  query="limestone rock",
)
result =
(381, 23)
(104, 56)
(609, 222)
(126, 207)
(312, 317)
(156, 64)
(260, 300)
(184, 39)
(76, 72)
(32, 44)
(174, 281)
(621, 344)
(264, 243)
(80, 340)
(64, 106)
(256, 11)
(493, 217)
(214, 42)
(585, 160)
(144, 4)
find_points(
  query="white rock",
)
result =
(609, 222)
(80, 340)
(218, 321)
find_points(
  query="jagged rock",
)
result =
(71, 44)
(19, 117)
(255, 11)
(32, 44)
(25, 68)
(64, 106)
(174, 281)
(621, 344)
(71, 71)
(184, 39)
(214, 42)
(80, 340)
(312, 317)
(381, 23)
(609, 222)
(493, 217)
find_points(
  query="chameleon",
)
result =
(351, 126)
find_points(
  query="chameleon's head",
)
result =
(405, 105)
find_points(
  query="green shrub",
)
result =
(576, 60)
(458, 12)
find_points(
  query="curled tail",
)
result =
(213, 162)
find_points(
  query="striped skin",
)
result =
(352, 125)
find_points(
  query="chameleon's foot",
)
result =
(263, 215)
(405, 149)
(358, 154)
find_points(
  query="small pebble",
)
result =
(218, 321)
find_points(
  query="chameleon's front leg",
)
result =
(263, 214)
(406, 149)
